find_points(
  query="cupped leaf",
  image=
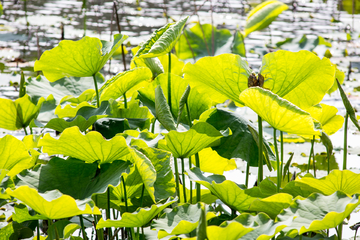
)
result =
(137, 219)
(212, 162)
(263, 15)
(301, 77)
(330, 122)
(18, 114)
(162, 40)
(283, 116)
(123, 82)
(222, 77)
(227, 191)
(81, 58)
(53, 204)
(272, 205)
(317, 212)
(89, 148)
(60, 174)
(186, 144)
(162, 109)
(344, 181)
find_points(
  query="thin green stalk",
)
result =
(125, 100)
(339, 231)
(82, 227)
(153, 126)
(311, 150)
(183, 178)
(277, 162)
(38, 230)
(97, 92)
(191, 186)
(177, 178)
(142, 195)
(22, 89)
(125, 196)
(169, 82)
(198, 191)
(108, 211)
(260, 170)
(281, 153)
(50, 223)
(142, 232)
(314, 164)
(247, 173)
(345, 140)
(188, 114)
(26, 133)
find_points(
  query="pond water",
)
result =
(28, 28)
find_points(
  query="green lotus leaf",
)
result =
(349, 109)
(212, 162)
(165, 183)
(317, 212)
(137, 219)
(162, 110)
(70, 110)
(60, 174)
(71, 86)
(109, 127)
(272, 205)
(302, 43)
(176, 64)
(350, 6)
(22, 214)
(85, 96)
(89, 148)
(330, 122)
(162, 40)
(141, 139)
(81, 58)
(240, 144)
(222, 77)
(227, 191)
(153, 64)
(316, 237)
(15, 230)
(206, 40)
(14, 155)
(340, 76)
(344, 181)
(301, 78)
(183, 101)
(53, 204)
(232, 231)
(283, 116)
(186, 144)
(181, 220)
(70, 229)
(263, 15)
(134, 111)
(18, 114)
(123, 82)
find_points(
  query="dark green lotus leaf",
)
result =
(316, 237)
(109, 127)
(302, 43)
(15, 231)
(62, 174)
(67, 59)
(317, 212)
(162, 40)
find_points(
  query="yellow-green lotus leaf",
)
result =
(186, 144)
(345, 181)
(85, 96)
(330, 122)
(232, 231)
(262, 15)
(81, 58)
(212, 162)
(279, 113)
(70, 110)
(272, 205)
(123, 82)
(299, 77)
(222, 77)
(89, 148)
(340, 76)
(53, 204)
(176, 64)
(17, 114)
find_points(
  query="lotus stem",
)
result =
(99, 232)
(247, 173)
(188, 113)
(311, 151)
(198, 191)
(183, 178)
(153, 126)
(125, 100)
(38, 230)
(191, 194)
(281, 153)
(345, 140)
(169, 82)
(260, 170)
(277, 162)
(339, 231)
(26, 133)
(50, 223)
(97, 91)
(177, 177)
(82, 227)
(22, 89)
(142, 195)
(125, 196)
(108, 211)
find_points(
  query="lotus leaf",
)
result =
(340, 76)
(212, 162)
(330, 122)
(232, 231)
(317, 212)
(162, 40)
(186, 144)
(302, 43)
(137, 219)
(70, 110)
(89, 148)
(301, 78)
(53, 204)
(222, 77)
(162, 110)
(67, 59)
(263, 14)
(176, 64)
(272, 205)
(141, 139)
(283, 116)
(85, 96)
(18, 114)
